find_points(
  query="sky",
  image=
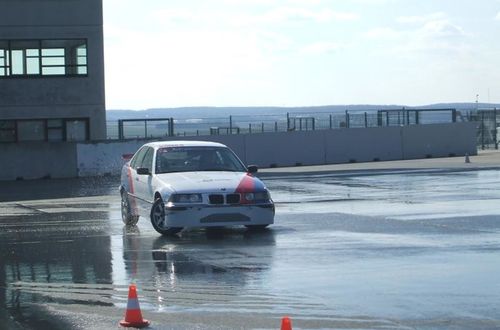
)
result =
(179, 53)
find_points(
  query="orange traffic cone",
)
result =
(133, 315)
(286, 323)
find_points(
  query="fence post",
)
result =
(230, 124)
(171, 127)
(482, 130)
(366, 120)
(287, 121)
(250, 128)
(145, 129)
(275, 126)
(347, 124)
(262, 127)
(454, 115)
(314, 124)
(496, 130)
(120, 129)
(331, 126)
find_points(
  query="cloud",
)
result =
(284, 14)
(421, 19)
(433, 34)
(383, 33)
(174, 15)
(442, 28)
(372, 2)
(498, 16)
(321, 47)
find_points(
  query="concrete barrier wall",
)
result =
(363, 145)
(438, 140)
(309, 147)
(36, 160)
(285, 149)
(105, 157)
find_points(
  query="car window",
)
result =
(147, 161)
(138, 157)
(189, 159)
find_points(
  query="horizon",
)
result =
(472, 104)
(295, 53)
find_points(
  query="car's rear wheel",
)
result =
(127, 217)
(158, 219)
(256, 227)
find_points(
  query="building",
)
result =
(51, 71)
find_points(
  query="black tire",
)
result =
(256, 227)
(127, 217)
(158, 218)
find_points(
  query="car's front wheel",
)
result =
(158, 219)
(127, 217)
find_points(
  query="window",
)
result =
(81, 59)
(147, 162)
(3, 61)
(52, 130)
(8, 131)
(190, 159)
(53, 61)
(31, 130)
(137, 160)
(43, 57)
(55, 130)
(76, 130)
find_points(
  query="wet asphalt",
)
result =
(392, 251)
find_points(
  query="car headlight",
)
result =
(186, 198)
(249, 196)
(257, 196)
(261, 196)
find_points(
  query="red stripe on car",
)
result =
(130, 181)
(247, 185)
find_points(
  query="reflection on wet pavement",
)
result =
(386, 251)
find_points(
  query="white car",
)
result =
(179, 184)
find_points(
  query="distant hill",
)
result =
(224, 112)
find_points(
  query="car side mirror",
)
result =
(143, 171)
(252, 169)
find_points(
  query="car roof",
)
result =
(166, 144)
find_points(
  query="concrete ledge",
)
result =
(484, 160)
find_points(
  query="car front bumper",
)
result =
(215, 216)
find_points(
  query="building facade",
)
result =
(51, 71)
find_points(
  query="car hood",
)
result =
(187, 182)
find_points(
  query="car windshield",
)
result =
(190, 159)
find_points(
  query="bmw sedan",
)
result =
(184, 184)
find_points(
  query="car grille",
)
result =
(219, 199)
(216, 199)
(232, 198)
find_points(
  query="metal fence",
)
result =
(488, 127)
(488, 123)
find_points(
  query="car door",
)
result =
(133, 179)
(144, 189)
